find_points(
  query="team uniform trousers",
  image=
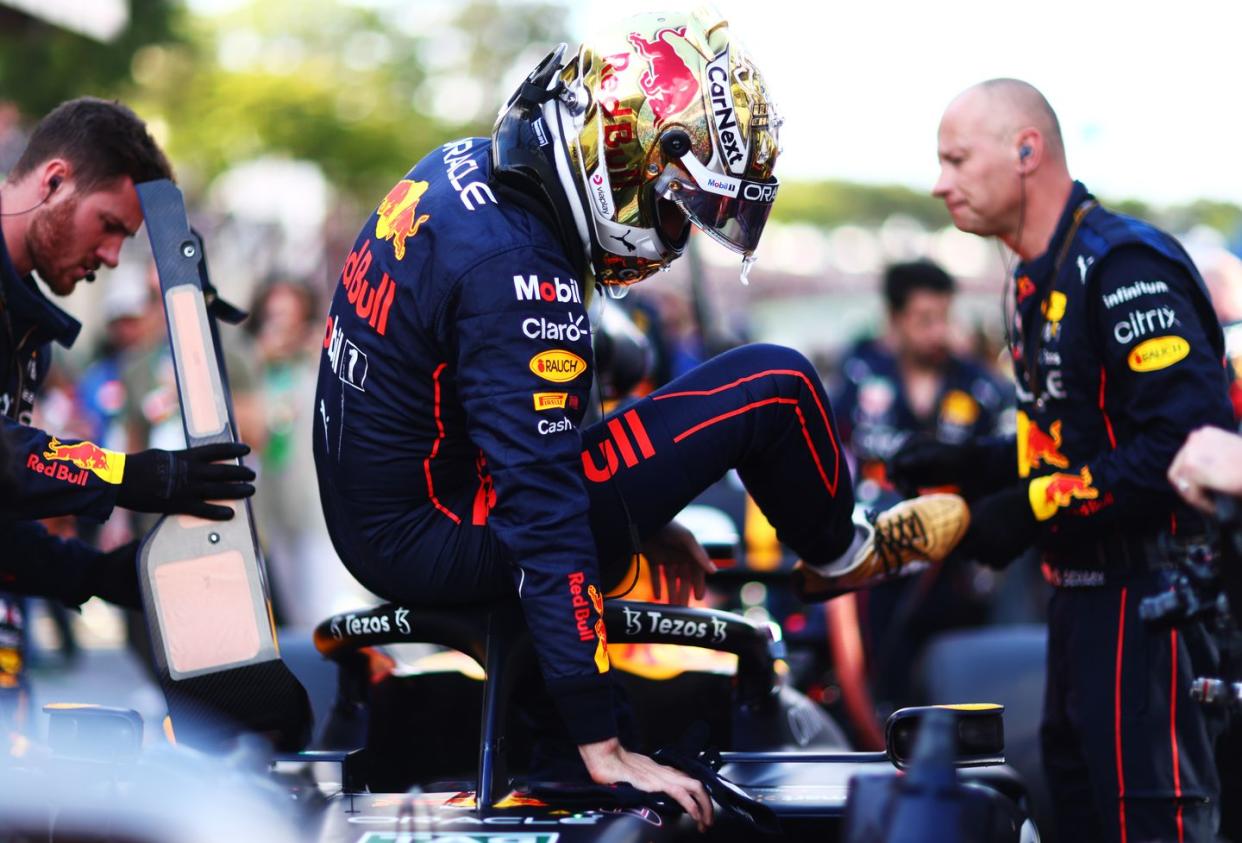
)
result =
(1127, 752)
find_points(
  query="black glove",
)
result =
(1002, 526)
(925, 461)
(182, 481)
(115, 577)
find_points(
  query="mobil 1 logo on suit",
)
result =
(348, 361)
(532, 288)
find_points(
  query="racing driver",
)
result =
(456, 367)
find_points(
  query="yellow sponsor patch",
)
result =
(557, 365)
(1054, 306)
(550, 400)
(959, 408)
(1158, 353)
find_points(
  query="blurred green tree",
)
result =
(42, 65)
(363, 90)
(833, 203)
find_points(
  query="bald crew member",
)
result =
(1118, 358)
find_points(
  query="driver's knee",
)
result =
(790, 369)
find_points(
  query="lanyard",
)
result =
(1032, 361)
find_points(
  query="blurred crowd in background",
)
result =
(286, 121)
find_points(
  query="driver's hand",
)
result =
(608, 763)
(677, 554)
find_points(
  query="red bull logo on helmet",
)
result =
(668, 81)
(108, 466)
(397, 215)
(1051, 493)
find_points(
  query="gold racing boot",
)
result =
(903, 540)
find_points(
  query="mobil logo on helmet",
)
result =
(668, 81)
(397, 217)
(557, 365)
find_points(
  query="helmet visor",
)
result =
(731, 210)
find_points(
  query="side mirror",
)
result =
(979, 728)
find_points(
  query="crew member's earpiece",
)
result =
(53, 184)
(1024, 152)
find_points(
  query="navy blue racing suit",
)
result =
(49, 477)
(1118, 358)
(452, 464)
(876, 417)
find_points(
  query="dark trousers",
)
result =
(760, 409)
(1128, 754)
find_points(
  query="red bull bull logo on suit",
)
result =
(108, 466)
(1051, 493)
(398, 218)
(1036, 447)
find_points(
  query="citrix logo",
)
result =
(531, 288)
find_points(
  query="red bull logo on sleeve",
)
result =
(668, 82)
(108, 466)
(584, 598)
(582, 607)
(1035, 447)
(1050, 494)
(602, 664)
(397, 215)
(1026, 288)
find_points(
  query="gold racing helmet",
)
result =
(658, 123)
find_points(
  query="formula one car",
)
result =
(782, 779)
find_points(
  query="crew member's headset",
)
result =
(1024, 152)
(52, 184)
